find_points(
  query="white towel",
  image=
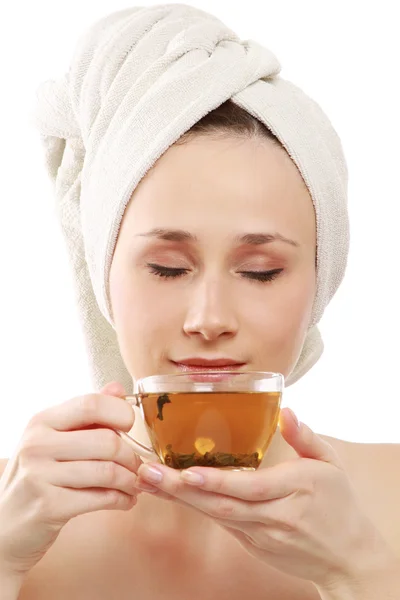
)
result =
(139, 78)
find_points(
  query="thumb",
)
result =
(113, 388)
(304, 440)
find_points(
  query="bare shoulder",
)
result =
(360, 458)
(374, 469)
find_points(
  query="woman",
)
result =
(194, 233)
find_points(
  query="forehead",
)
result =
(218, 184)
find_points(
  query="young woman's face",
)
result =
(201, 268)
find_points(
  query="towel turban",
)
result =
(139, 78)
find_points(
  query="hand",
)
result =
(69, 461)
(301, 516)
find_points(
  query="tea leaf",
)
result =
(190, 461)
(163, 399)
(225, 459)
(210, 459)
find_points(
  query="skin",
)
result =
(216, 188)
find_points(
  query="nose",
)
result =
(210, 313)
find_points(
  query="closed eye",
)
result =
(169, 272)
(263, 276)
(166, 271)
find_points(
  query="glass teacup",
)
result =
(221, 419)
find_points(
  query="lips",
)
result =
(198, 365)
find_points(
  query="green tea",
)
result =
(217, 429)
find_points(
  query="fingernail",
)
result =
(150, 474)
(192, 477)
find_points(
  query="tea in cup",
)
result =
(221, 419)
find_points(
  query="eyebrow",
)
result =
(254, 239)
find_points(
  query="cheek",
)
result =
(135, 302)
(145, 323)
(286, 307)
(295, 317)
(280, 323)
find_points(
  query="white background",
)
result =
(345, 54)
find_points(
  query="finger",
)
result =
(92, 474)
(305, 441)
(218, 506)
(164, 496)
(144, 487)
(187, 500)
(90, 409)
(243, 531)
(246, 540)
(213, 504)
(69, 502)
(264, 484)
(93, 444)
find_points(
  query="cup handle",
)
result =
(139, 448)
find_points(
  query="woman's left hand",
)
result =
(301, 516)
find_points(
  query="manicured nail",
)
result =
(150, 474)
(192, 477)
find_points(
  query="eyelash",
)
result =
(259, 276)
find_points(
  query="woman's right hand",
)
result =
(69, 461)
